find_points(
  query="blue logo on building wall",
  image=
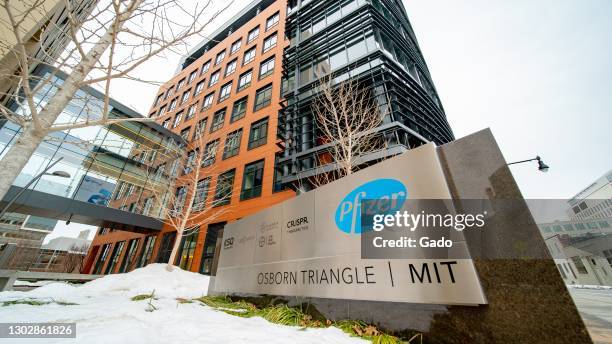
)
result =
(348, 213)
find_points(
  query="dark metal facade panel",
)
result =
(381, 52)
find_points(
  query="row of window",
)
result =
(252, 183)
(263, 98)
(130, 261)
(268, 43)
(266, 68)
(258, 136)
(577, 226)
(184, 259)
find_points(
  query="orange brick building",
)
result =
(229, 90)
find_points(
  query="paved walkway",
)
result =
(595, 307)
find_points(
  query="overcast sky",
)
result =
(538, 73)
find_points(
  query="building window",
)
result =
(205, 67)
(218, 120)
(169, 92)
(148, 204)
(208, 101)
(272, 21)
(259, 133)
(187, 248)
(192, 76)
(210, 153)
(210, 242)
(249, 56)
(177, 119)
(199, 199)
(191, 159)
(252, 181)
(214, 78)
(114, 257)
(185, 134)
(253, 34)
(263, 97)
(239, 109)
(166, 123)
(225, 184)
(231, 67)
(235, 46)
(245, 80)
(266, 68)
(179, 200)
(191, 111)
(199, 87)
(165, 247)
(226, 90)
(200, 128)
(172, 104)
(232, 144)
(158, 99)
(128, 259)
(180, 84)
(580, 265)
(220, 57)
(162, 111)
(147, 251)
(102, 259)
(270, 42)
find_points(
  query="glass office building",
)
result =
(110, 165)
(372, 43)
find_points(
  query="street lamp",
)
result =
(542, 167)
(61, 174)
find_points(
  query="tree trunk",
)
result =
(175, 248)
(18, 156)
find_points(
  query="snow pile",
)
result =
(171, 284)
(105, 313)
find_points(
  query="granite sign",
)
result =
(310, 246)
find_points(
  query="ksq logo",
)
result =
(390, 192)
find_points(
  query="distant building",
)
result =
(62, 254)
(79, 244)
(595, 201)
(578, 264)
(582, 246)
(21, 237)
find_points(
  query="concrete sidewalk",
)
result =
(595, 307)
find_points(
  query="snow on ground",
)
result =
(20, 283)
(105, 314)
(589, 286)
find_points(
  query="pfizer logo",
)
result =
(348, 213)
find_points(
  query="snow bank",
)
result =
(171, 284)
(104, 313)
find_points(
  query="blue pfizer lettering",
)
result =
(348, 213)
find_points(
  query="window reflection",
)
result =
(102, 157)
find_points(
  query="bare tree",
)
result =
(111, 43)
(346, 116)
(73, 260)
(193, 201)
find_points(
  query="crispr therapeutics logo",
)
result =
(348, 213)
